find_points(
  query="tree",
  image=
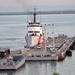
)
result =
(55, 73)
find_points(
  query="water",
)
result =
(65, 67)
(13, 28)
(12, 35)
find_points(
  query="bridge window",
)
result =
(36, 31)
(30, 31)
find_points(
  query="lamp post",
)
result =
(52, 33)
(53, 37)
(45, 36)
(53, 29)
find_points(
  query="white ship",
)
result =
(34, 34)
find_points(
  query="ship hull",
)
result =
(33, 40)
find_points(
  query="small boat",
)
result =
(12, 63)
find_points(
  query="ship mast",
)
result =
(34, 15)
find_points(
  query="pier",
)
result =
(62, 44)
(66, 46)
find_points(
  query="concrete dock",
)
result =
(62, 44)
(42, 53)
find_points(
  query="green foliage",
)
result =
(56, 73)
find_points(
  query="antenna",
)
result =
(34, 8)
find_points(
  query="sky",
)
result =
(18, 3)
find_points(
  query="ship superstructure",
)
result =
(34, 34)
